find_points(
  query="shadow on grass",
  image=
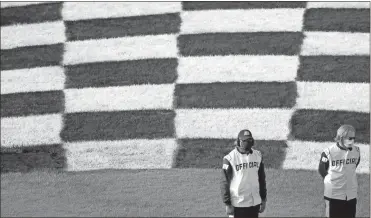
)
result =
(26, 159)
(209, 153)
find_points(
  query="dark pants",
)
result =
(247, 212)
(341, 208)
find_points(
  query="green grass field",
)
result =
(171, 192)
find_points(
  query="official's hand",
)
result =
(262, 207)
(229, 210)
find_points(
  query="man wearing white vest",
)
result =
(337, 167)
(243, 179)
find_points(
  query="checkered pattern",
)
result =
(155, 85)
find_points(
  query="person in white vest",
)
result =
(337, 167)
(243, 183)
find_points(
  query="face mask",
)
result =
(246, 146)
(348, 143)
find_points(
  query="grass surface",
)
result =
(321, 125)
(31, 14)
(31, 130)
(32, 103)
(209, 153)
(334, 69)
(241, 68)
(125, 154)
(121, 98)
(120, 27)
(46, 33)
(213, 21)
(118, 49)
(259, 43)
(92, 10)
(118, 125)
(335, 43)
(174, 192)
(32, 80)
(28, 57)
(338, 20)
(240, 5)
(118, 73)
(265, 124)
(22, 159)
(236, 95)
(333, 96)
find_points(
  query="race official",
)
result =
(243, 183)
(337, 167)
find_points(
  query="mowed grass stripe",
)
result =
(92, 10)
(32, 80)
(124, 154)
(259, 43)
(190, 6)
(306, 155)
(333, 96)
(238, 68)
(31, 14)
(254, 20)
(322, 124)
(209, 153)
(32, 158)
(338, 5)
(265, 124)
(32, 103)
(350, 69)
(126, 26)
(338, 20)
(118, 73)
(118, 125)
(31, 130)
(335, 43)
(117, 49)
(236, 95)
(28, 57)
(137, 97)
(42, 34)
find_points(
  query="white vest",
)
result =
(341, 180)
(244, 187)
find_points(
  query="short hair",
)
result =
(343, 131)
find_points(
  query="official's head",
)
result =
(245, 140)
(345, 136)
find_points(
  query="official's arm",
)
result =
(323, 165)
(262, 183)
(226, 181)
